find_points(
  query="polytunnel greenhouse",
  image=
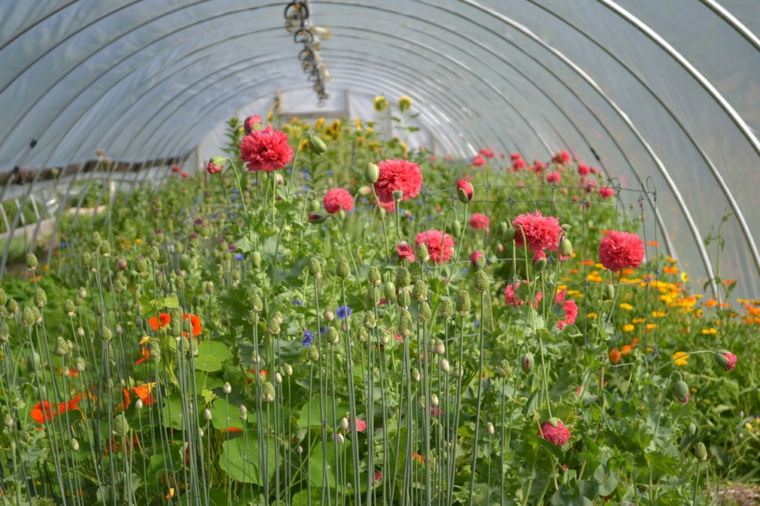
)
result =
(401, 252)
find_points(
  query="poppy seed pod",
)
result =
(243, 413)
(120, 425)
(369, 320)
(315, 267)
(482, 283)
(31, 261)
(268, 392)
(420, 290)
(332, 336)
(287, 369)
(312, 353)
(389, 290)
(681, 391)
(447, 307)
(40, 298)
(701, 451)
(3, 297)
(28, 316)
(424, 311)
(422, 253)
(256, 259)
(404, 298)
(445, 366)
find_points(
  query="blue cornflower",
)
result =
(476, 323)
(296, 301)
(343, 312)
(308, 337)
(239, 256)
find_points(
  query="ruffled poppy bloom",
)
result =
(562, 157)
(336, 199)
(440, 245)
(538, 167)
(44, 411)
(606, 192)
(160, 321)
(583, 169)
(475, 257)
(486, 153)
(589, 186)
(251, 122)
(518, 164)
(478, 161)
(184, 175)
(465, 185)
(554, 431)
(405, 252)
(266, 150)
(176, 169)
(361, 425)
(213, 168)
(553, 177)
(620, 250)
(513, 299)
(570, 309)
(515, 156)
(726, 360)
(196, 325)
(540, 232)
(479, 221)
(397, 175)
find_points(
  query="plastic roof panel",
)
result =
(663, 95)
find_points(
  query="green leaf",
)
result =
(241, 461)
(225, 415)
(606, 479)
(172, 412)
(211, 356)
(171, 302)
(309, 416)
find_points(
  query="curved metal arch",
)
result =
(729, 18)
(686, 65)
(111, 41)
(624, 117)
(41, 20)
(376, 79)
(669, 244)
(743, 225)
(462, 101)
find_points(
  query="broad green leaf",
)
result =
(310, 412)
(241, 460)
(211, 356)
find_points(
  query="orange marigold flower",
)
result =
(626, 350)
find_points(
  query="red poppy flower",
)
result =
(266, 150)
(440, 245)
(336, 199)
(405, 252)
(397, 175)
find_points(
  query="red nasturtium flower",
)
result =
(44, 411)
(195, 323)
(266, 150)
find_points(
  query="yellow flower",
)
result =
(651, 326)
(638, 320)
(138, 242)
(680, 358)
(380, 103)
(591, 316)
(626, 307)
(404, 103)
(658, 314)
(320, 123)
(358, 123)
(628, 327)
(709, 331)
(270, 115)
(684, 277)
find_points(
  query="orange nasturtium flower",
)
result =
(160, 321)
(44, 411)
(195, 323)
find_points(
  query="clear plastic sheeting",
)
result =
(662, 95)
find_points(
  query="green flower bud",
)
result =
(268, 392)
(3, 297)
(4, 333)
(373, 276)
(80, 364)
(40, 298)
(372, 173)
(312, 353)
(701, 451)
(526, 362)
(105, 249)
(404, 103)
(107, 334)
(447, 307)
(404, 298)
(482, 283)
(31, 261)
(566, 247)
(424, 311)
(87, 259)
(369, 320)
(422, 253)
(540, 264)
(463, 302)
(316, 144)
(609, 292)
(12, 306)
(389, 290)
(287, 369)
(681, 391)
(420, 290)
(509, 234)
(315, 267)
(342, 269)
(332, 335)
(257, 305)
(61, 347)
(141, 265)
(398, 195)
(28, 316)
(456, 227)
(256, 259)
(403, 278)
(274, 326)
(120, 425)
(69, 308)
(462, 195)
(406, 323)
